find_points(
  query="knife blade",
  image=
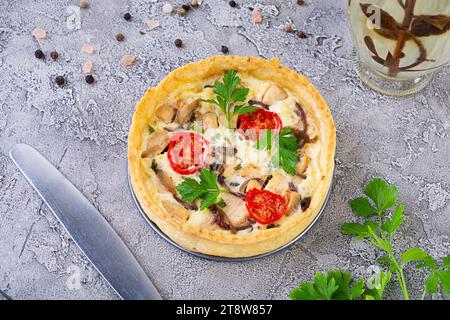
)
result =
(85, 224)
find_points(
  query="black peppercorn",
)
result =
(300, 2)
(224, 49)
(232, 4)
(60, 81)
(178, 43)
(39, 54)
(127, 16)
(120, 37)
(186, 7)
(89, 79)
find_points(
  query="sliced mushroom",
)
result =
(235, 210)
(301, 113)
(177, 211)
(209, 121)
(156, 143)
(258, 103)
(221, 219)
(166, 113)
(274, 94)
(185, 110)
(302, 165)
(305, 203)
(166, 181)
(293, 199)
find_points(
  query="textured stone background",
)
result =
(83, 130)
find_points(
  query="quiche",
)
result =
(232, 156)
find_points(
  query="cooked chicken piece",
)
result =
(247, 171)
(166, 113)
(253, 184)
(209, 121)
(185, 110)
(156, 143)
(250, 170)
(177, 211)
(235, 210)
(302, 165)
(277, 184)
(274, 94)
(167, 181)
(229, 170)
(292, 200)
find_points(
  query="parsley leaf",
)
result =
(376, 285)
(362, 207)
(359, 230)
(228, 94)
(244, 109)
(432, 282)
(335, 285)
(378, 228)
(287, 156)
(383, 195)
(390, 225)
(444, 277)
(446, 262)
(207, 189)
(413, 254)
(322, 288)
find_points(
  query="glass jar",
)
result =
(399, 44)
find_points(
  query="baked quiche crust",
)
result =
(215, 241)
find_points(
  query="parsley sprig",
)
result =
(206, 189)
(229, 95)
(334, 285)
(378, 227)
(286, 156)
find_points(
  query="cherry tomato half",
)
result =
(187, 152)
(254, 123)
(265, 206)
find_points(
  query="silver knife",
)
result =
(87, 227)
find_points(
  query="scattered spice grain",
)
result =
(60, 81)
(54, 55)
(39, 54)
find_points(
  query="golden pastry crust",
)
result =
(222, 242)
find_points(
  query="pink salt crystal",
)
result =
(39, 33)
(128, 59)
(256, 16)
(87, 67)
(167, 8)
(87, 48)
(152, 24)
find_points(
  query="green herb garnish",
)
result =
(379, 229)
(151, 129)
(287, 156)
(228, 95)
(205, 189)
(335, 285)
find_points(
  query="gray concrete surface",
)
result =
(83, 130)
